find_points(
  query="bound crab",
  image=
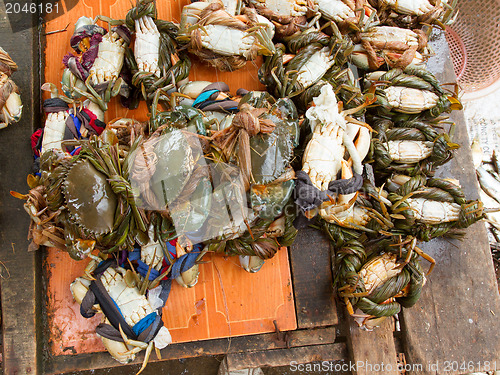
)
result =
(376, 279)
(349, 15)
(264, 163)
(394, 46)
(316, 60)
(10, 101)
(410, 147)
(363, 211)
(224, 41)
(131, 320)
(289, 17)
(169, 174)
(63, 123)
(416, 13)
(99, 61)
(428, 208)
(334, 133)
(156, 64)
(413, 91)
(92, 197)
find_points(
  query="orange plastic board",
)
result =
(57, 45)
(227, 301)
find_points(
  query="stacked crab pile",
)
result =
(10, 101)
(232, 173)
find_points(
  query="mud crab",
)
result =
(349, 15)
(416, 13)
(410, 147)
(376, 279)
(315, 54)
(288, 17)
(156, 63)
(430, 207)
(10, 101)
(394, 46)
(310, 61)
(324, 152)
(95, 71)
(92, 197)
(412, 91)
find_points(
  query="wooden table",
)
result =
(455, 325)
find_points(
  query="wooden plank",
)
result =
(19, 269)
(312, 279)
(456, 320)
(283, 357)
(373, 352)
(271, 341)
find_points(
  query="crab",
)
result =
(156, 65)
(93, 198)
(94, 73)
(415, 13)
(394, 46)
(324, 153)
(310, 61)
(431, 207)
(288, 16)
(349, 15)
(375, 280)
(411, 147)
(412, 91)
(122, 332)
(10, 101)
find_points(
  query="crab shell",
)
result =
(89, 199)
(335, 10)
(428, 211)
(411, 7)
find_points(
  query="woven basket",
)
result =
(474, 41)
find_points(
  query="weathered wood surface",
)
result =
(20, 276)
(312, 280)
(456, 321)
